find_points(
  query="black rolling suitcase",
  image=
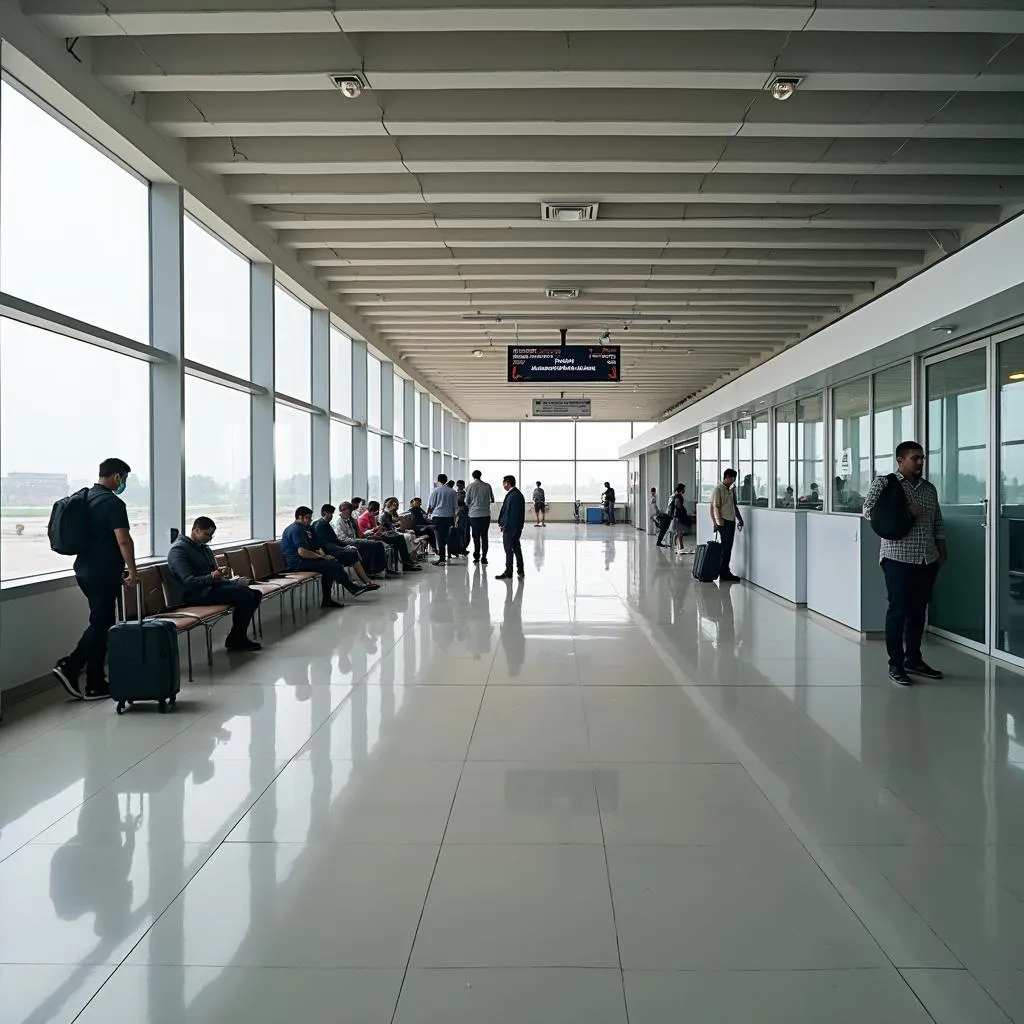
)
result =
(142, 661)
(707, 561)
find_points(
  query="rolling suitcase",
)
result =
(707, 561)
(142, 661)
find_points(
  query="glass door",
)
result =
(957, 411)
(1009, 522)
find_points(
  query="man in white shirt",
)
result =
(726, 517)
(479, 499)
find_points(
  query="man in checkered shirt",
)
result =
(910, 566)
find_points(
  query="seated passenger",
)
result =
(302, 553)
(372, 552)
(421, 524)
(390, 521)
(345, 553)
(388, 535)
(196, 580)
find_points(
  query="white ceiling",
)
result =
(746, 221)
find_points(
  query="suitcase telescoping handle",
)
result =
(121, 605)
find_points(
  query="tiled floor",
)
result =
(604, 794)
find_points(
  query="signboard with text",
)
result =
(561, 407)
(564, 364)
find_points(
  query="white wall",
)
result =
(776, 552)
(37, 629)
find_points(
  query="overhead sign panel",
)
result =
(561, 407)
(564, 364)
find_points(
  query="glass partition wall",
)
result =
(240, 365)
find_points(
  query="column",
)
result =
(261, 335)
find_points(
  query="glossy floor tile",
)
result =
(604, 790)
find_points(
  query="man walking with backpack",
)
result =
(93, 525)
(904, 511)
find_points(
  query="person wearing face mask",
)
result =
(196, 580)
(98, 572)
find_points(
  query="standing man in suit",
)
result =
(511, 522)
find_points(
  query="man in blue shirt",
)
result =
(302, 553)
(511, 522)
(442, 506)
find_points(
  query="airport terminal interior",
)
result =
(277, 255)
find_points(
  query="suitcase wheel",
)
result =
(163, 707)
(172, 700)
(120, 707)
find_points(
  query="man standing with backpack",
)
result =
(93, 525)
(904, 511)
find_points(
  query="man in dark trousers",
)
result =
(910, 565)
(98, 572)
(303, 553)
(197, 580)
(511, 522)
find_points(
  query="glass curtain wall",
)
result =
(571, 460)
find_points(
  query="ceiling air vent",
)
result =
(568, 212)
(563, 293)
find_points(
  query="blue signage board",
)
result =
(564, 364)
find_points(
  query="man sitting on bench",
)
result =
(349, 556)
(197, 581)
(302, 553)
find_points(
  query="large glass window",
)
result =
(341, 463)
(493, 441)
(399, 491)
(744, 451)
(373, 470)
(759, 467)
(435, 428)
(216, 289)
(810, 469)
(601, 440)
(373, 391)
(420, 437)
(293, 337)
(50, 445)
(591, 477)
(217, 462)
(399, 411)
(894, 421)
(548, 440)
(74, 225)
(292, 452)
(557, 479)
(785, 456)
(708, 463)
(851, 446)
(341, 373)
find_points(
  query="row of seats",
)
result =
(262, 563)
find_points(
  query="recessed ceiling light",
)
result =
(945, 329)
(350, 84)
(782, 87)
(477, 353)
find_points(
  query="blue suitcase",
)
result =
(142, 661)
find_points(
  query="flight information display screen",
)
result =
(564, 364)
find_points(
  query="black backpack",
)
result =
(69, 528)
(890, 515)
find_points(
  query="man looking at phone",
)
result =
(197, 580)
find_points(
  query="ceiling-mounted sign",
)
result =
(564, 364)
(561, 407)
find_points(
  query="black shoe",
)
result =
(97, 691)
(504, 576)
(440, 561)
(67, 680)
(361, 589)
(661, 545)
(923, 669)
(330, 603)
(898, 676)
(483, 561)
(520, 574)
(241, 644)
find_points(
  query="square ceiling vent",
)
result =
(568, 212)
(563, 293)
